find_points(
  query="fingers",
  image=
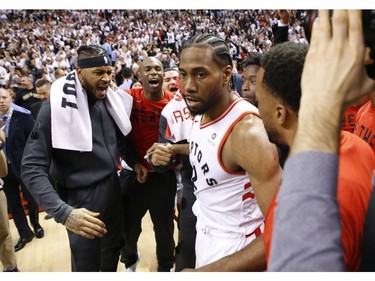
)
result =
(89, 232)
(142, 175)
(356, 39)
(161, 155)
(324, 29)
(340, 23)
(91, 217)
(151, 149)
(84, 222)
(314, 40)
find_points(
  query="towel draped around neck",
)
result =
(70, 118)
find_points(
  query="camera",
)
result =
(368, 23)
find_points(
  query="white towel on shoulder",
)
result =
(70, 117)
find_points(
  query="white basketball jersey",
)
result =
(225, 199)
(179, 120)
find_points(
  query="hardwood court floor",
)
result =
(52, 254)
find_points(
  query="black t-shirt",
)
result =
(280, 34)
(26, 97)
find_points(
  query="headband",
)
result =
(101, 60)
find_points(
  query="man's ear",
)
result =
(281, 114)
(227, 73)
(79, 72)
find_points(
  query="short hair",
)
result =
(42, 82)
(283, 66)
(89, 51)
(221, 53)
(135, 81)
(126, 72)
(252, 60)
(174, 68)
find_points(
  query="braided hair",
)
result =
(221, 54)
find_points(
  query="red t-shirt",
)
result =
(348, 118)
(356, 165)
(145, 118)
(365, 124)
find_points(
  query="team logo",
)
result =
(211, 140)
(105, 60)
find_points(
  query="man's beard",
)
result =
(208, 104)
(273, 135)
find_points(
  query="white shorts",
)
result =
(212, 244)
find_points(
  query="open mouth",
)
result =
(154, 82)
(173, 89)
(102, 89)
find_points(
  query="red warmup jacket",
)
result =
(356, 165)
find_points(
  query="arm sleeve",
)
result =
(280, 33)
(307, 228)
(35, 167)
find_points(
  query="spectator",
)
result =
(17, 126)
(26, 95)
(7, 252)
(170, 80)
(43, 88)
(136, 84)
(59, 72)
(128, 76)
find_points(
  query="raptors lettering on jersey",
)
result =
(197, 153)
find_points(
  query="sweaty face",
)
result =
(95, 80)
(249, 84)
(266, 107)
(151, 75)
(201, 79)
(170, 81)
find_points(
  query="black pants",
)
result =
(185, 251)
(12, 192)
(98, 254)
(157, 196)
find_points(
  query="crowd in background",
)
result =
(44, 43)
